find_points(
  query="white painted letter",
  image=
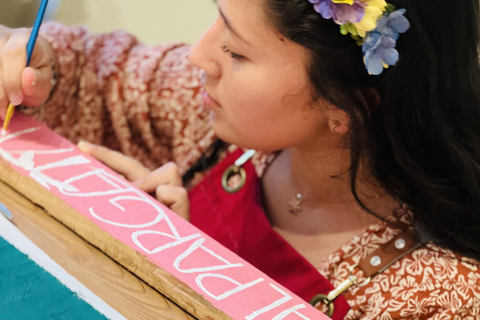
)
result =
(279, 302)
(198, 244)
(285, 313)
(240, 287)
(172, 244)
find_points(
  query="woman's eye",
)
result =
(234, 55)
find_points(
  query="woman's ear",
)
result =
(338, 120)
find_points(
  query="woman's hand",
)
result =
(164, 181)
(29, 86)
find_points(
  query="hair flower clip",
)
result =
(375, 25)
(379, 45)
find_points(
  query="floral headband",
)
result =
(373, 23)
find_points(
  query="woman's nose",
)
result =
(203, 53)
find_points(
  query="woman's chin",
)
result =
(242, 143)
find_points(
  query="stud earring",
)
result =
(332, 128)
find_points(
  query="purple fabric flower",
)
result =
(379, 45)
(341, 13)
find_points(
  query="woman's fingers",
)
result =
(14, 57)
(166, 181)
(176, 198)
(130, 168)
(165, 175)
(36, 85)
(19, 85)
(37, 80)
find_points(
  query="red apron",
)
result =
(239, 223)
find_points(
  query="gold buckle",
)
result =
(328, 299)
(332, 295)
(322, 298)
(232, 171)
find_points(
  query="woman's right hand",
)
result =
(29, 86)
(165, 181)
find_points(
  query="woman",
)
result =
(365, 177)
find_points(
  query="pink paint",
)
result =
(136, 219)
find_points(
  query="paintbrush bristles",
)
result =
(8, 117)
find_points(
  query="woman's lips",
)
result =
(208, 101)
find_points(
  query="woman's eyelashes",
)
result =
(234, 55)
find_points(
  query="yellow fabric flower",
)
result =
(373, 11)
(350, 2)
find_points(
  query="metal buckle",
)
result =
(236, 170)
(322, 298)
(352, 280)
(231, 172)
(332, 295)
(328, 299)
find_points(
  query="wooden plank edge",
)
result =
(137, 263)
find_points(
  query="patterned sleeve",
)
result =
(114, 91)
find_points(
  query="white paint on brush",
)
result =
(16, 238)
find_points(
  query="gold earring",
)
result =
(336, 124)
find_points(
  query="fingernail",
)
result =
(34, 80)
(16, 98)
(82, 145)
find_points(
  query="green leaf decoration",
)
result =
(390, 8)
(349, 28)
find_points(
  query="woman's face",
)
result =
(256, 84)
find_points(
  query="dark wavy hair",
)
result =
(416, 127)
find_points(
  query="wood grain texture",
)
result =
(119, 288)
(137, 263)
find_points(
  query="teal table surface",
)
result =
(29, 292)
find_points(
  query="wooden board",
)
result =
(180, 261)
(115, 285)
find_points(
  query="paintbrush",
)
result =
(30, 46)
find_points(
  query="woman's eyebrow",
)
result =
(229, 25)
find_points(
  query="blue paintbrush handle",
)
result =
(36, 28)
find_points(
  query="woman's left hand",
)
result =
(165, 181)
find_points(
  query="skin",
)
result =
(165, 182)
(19, 85)
(257, 90)
(253, 87)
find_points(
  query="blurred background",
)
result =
(152, 21)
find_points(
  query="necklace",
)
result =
(295, 205)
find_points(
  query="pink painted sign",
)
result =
(139, 221)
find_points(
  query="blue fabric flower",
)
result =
(379, 45)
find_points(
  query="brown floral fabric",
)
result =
(146, 102)
(113, 90)
(429, 283)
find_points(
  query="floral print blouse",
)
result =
(145, 102)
